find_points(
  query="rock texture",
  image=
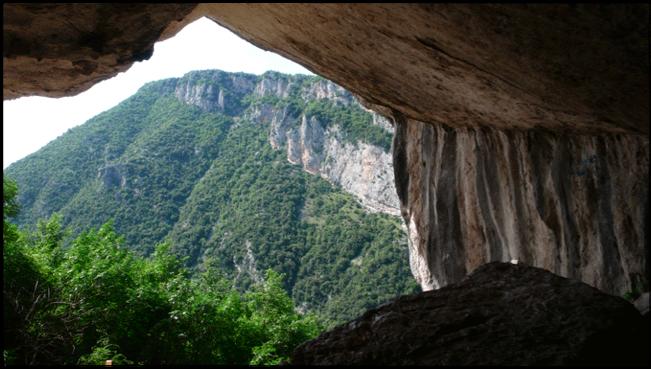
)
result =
(576, 205)
(502, 314)
(62, 49)
(361, 169)
(215, 90)
(565, 67)
(562, 67)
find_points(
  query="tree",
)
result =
(32, 332)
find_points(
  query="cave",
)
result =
(521, 130)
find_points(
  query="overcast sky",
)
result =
(29, 123)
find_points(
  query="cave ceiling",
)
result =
(579, 68)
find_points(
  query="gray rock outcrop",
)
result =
(361, 169)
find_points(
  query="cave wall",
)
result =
(521, 130)
(576, 205)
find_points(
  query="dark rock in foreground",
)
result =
(501, 314)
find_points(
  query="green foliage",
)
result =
(10, 206)
(102, 302)
(102, 352)
(31, 332)
(279, 327)
(208, 183)
(632, 295)
(10, 209)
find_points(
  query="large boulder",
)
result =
(501, 314)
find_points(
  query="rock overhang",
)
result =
(568, 68)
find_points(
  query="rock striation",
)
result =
(576, 205)
(501, 314)
(361, 169)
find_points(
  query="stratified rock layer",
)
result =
(502, 314)
(573, 204)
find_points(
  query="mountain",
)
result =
(242, 172)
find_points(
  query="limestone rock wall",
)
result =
(576, 205)
(222, 92)
(361, 169)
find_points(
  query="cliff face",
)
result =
(576, 205)
(360, 168)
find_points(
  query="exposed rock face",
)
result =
(576, 205)
(220, 91)
(502, 314)
(361, 169)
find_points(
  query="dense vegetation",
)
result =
(208, 183)
(96, 301)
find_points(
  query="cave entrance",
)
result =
(273, 167)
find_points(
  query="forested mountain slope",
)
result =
(244, 172)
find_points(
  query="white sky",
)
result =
(31, 122)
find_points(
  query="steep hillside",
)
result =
(242, 171)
